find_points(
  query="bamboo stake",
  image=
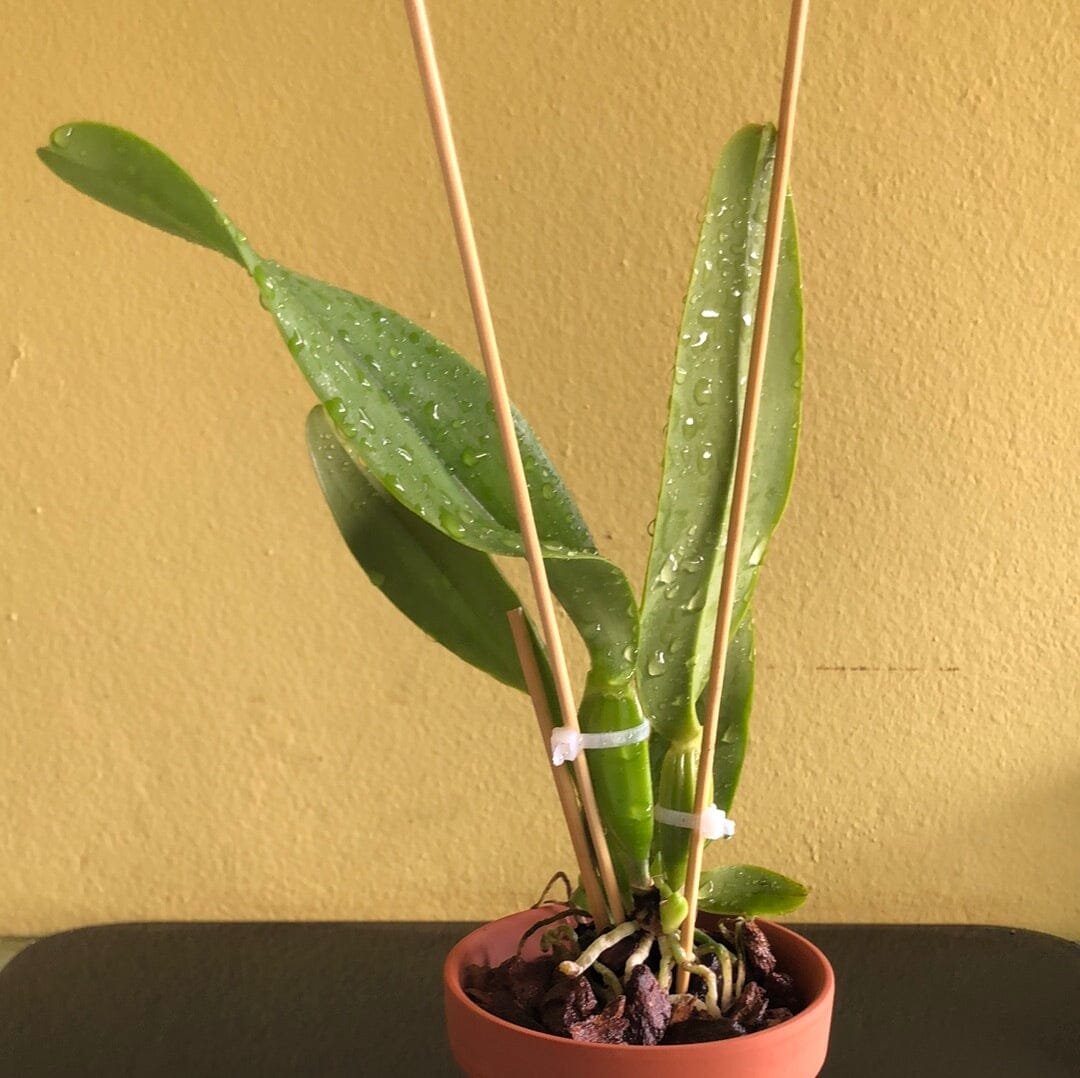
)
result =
(563, 785)
(743, 461)
(470, 260)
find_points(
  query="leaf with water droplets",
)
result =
(455, 594)
(130, 175)
(683, 578)
(379, 373)
(388, 372)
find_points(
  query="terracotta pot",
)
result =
(487, 1047)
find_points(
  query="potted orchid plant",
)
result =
(405, 447)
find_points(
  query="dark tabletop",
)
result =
(365, 999)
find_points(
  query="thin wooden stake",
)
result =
(474, 278)
(564, 787)
(741, 484)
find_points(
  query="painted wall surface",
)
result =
(207, 710)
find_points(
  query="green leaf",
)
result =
(412, 412)
(732, 729)
(455, 594)
(731, 733)
(686, 560)
(675, 764)
(132, 176)
(419, 418)
(748, 891)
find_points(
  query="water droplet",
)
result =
(651, 526)
(435, 411)
(628, 653)
(395, 353)
(451, 524)
(671, 590)
(695, 602)
(655, 666)
(668, 569)
(689, 427)
(709, 313)
(704, 391)
(470, 458)
(747, 318)
(680, 375)
(703, 336)
(547, 491)
(404, 454)
(758, 552)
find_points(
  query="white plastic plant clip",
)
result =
(714, 821)
(566, 744)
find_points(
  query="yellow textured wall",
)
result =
(207, 710)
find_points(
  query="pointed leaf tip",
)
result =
(749, 891)
(128, 174)
(452, 592)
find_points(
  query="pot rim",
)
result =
(822, 1000)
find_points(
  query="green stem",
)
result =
(678, 779)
